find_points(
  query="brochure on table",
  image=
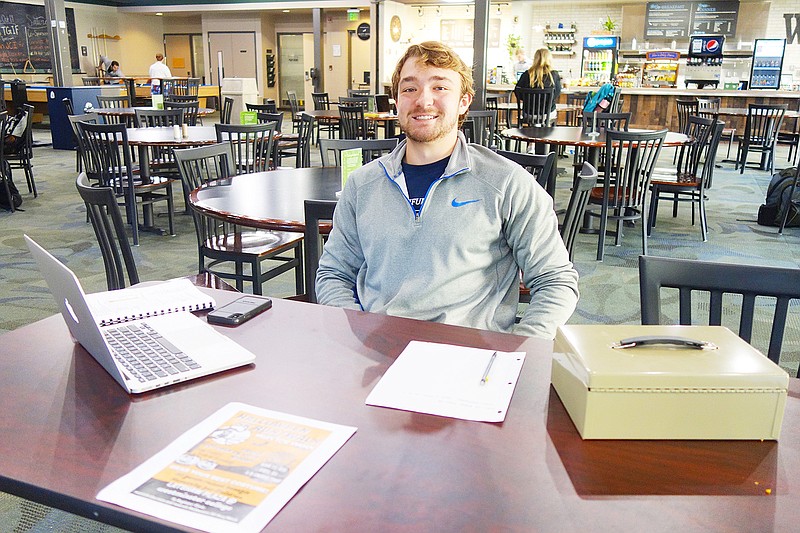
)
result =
(232, 472)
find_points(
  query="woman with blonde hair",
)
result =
(541, 75)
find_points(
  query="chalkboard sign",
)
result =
(673, 20)
(25, 39)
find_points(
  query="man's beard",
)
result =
(443, 128)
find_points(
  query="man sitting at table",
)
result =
(439, 229)
(159, 69)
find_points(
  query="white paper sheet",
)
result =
(446, 380)
(233, 472)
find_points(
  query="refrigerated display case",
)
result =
(661, 68)
(767, 63)
(704, 62)
(599, 60)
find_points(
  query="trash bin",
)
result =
(242, 91)
(19, 93)
(60, 127)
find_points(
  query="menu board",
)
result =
(25, 39)
(459, 33)
(672, 20)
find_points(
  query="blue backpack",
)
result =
(602, 98)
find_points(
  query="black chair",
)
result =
(786, 208)
(322, 103)
(252, 145)
(685, 107)
(304, 132)
(22, 156)
(161, 160)
(190, 109)
(352, 123)
(91, 80)
(629, 161)
(358, 92)
(485, 126)
(315, 211)
(791, 136)
(581, 188)
(180, 98)
(600, 122)
(685, 184)
(362, 101)
(534, 106)
(109, 228)
(540, 166)
(294, 109)
(3, 178)
(708, 107)
(262, 108)
(80, 154)
(331, 149)
(108, 160)
(750, 291)
(68, 106)
(227, 109)
(760, 135)
(224, 249)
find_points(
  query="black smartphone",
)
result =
(240, 310)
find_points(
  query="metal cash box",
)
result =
(729, 390)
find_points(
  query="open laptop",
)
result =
(178, 346)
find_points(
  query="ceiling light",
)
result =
(287, 10)
(159, 14)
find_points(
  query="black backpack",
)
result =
(770, 213)
(16, 197)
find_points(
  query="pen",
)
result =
(485, 377)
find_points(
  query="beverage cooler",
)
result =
(767, 63)
(704, 62)
(599, 61)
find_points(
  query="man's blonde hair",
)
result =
(438, 55)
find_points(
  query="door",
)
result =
(291, 67)
(179, 54)
(237, 51)
(358, 61)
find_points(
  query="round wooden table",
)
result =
(576, 136)
(269, 200)
(130, 112)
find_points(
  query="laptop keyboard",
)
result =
(144, 353)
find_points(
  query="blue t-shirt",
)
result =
(419, 179)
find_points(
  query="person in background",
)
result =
(439, 229)
(115, 72)
(541, 75)
(522, 64)
(104, 66)
(159, 69)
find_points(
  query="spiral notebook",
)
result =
(136, 303)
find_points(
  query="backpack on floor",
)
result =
(16, 197)
(770, 213)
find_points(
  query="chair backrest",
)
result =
(485, 127)
(468, 129)
(685, 107)
(315, 211)
(262, 108)
(540, 166)
(382, 103)
(305, 129)
(91, 80)
(699, 129)
(321, 101)
(190, 110)
(358, 92)
(581, 188)
(251, 143)
(108, 157)
(616, 101)
(294, 106)
(534, 106)
(708, 107)
(277, 118)
(25, 150)
(91, 118)
(68, 107)
(709, 162)
(605, 121)
(227, 109)
(352, 122)
(362, 101)
(748, 291)
(155, 118)
(180, 86)
(109, 228)
(331, 149)
(112, 102)
(763, 123)
(629, 162)
(180, 97)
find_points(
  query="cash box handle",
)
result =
(649, 340)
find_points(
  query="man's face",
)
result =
(429, 102)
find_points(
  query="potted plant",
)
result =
(610, 25)
(512, 43)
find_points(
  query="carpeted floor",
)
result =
(609, 289)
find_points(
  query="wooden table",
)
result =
(130, 112)
(269, 200)
(332, 114)
(69, 430)
(163, 137)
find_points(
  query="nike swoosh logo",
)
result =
(456, 203)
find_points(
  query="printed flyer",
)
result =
(232, 472)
